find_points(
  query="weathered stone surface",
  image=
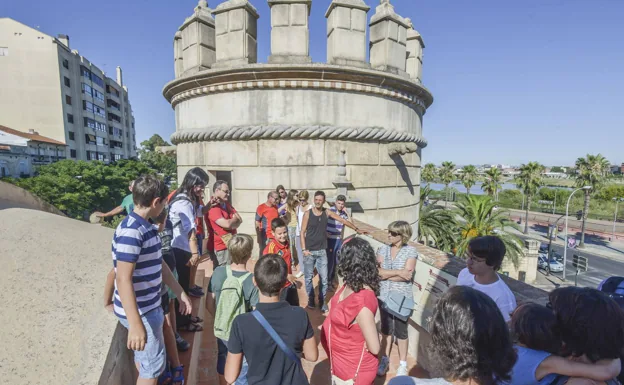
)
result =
(367, 197)
(288, 153)
(245, 201)
(313, 178)
(388, 33)
(408, 176)
(415, 46)
(372, 176)
(397, 197)
(346, 32)
(198, 39)
(236, 31)
(259, 178)
(357, 153)
(409, 160)
(290, 35)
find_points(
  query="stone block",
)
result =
(245, 201)
(252, 25)
(367, 196)
(408, 176)
(392, 32)
(291, 152)
(190, 35)
(312, 179)
(397, 197)
(347, 45)
(291, 41)
(372, 176)
(378, 31)
(229, 46)
(280, 15)
(261, 178)
(207, 35)
(235, 153)
(299, 15)
(342, 17)
(236, 19)
(358, 20)
(356, 153)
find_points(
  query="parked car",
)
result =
(555, 266)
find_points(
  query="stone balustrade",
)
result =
(230, 38)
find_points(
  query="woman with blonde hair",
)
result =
(397, 262)
(292, 203)
(301, 209)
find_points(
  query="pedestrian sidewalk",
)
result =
(318, 372)
(594, 244)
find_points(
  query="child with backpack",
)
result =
(538, 343)
(279, 245)
(273, 337)
(231, 293)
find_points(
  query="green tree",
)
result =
(160, 162)
(429, 173)
(79, 187)
(480, 217)
(436, 223)
(607, 193)
(447, 176)
(492, 182)
(557, 169)
(529, 181)
(591, 171)
(469, 177)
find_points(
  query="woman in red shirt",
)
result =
(349, 334)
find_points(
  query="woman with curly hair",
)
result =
(349, 334)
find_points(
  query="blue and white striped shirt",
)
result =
(136, 241)
(334, 228)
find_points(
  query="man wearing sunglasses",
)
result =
(224, 220)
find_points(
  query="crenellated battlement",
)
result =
(226, 37)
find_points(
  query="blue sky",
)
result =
(513, 81)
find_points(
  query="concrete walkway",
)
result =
(318, 372)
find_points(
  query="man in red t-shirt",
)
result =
(279, 245)
(224, 220)
(265, 213)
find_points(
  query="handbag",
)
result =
(399, 305)
(335, 379)
(278, 340)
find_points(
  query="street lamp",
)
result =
(565, 242)
(616, 200)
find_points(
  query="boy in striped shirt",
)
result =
(139, 274)
(335, 232)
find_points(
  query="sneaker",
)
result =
(384, 365)
(324, 309)
(402, 371)
(182, 344)
(195, 292)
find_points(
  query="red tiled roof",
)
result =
(35, 137)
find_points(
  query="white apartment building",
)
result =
(49, 88)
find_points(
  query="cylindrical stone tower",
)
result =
(291, 122)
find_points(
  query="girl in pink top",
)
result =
(349, 334)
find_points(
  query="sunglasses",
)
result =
(394, 234)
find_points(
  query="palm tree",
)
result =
(529, 181)
(480, 218)
(492, 182)
(447, 176)
(591, 171)
(436, 223)
(469, 177)
(429, 172)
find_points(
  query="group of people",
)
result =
(479, 334)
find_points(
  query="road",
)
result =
(599, 267)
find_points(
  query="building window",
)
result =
(4, 51)
(114, 117)
(87, 106)
(68, 100)
(86, 89)
(112, 90)
(127, 134)
(117, 157)
(70, 118)
(66, 63)
(90, 139)
(99, 111)
(72, 153)
(522, 276)
(97, 80)
(100, 126)
(98, 95)
(133, 124)
(100, 141)
(101, 157)
(85, 72)
(67, 81)
(88, 122)
(70, 134)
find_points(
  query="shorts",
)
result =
(164, 303)
(222, 352)
(223, 257)
(391, 325)
(153, 358)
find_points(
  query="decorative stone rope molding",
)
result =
(306, 84)
(364, 134)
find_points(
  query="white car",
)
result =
(555, 266)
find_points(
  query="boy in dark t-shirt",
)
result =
(267, 363)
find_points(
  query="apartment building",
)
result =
(47, 87)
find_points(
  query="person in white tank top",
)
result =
(301, 209)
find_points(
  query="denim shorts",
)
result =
(152, 359)
(222, 352)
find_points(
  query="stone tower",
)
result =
(293, 122)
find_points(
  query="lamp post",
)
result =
(565, 242)
(616, 200)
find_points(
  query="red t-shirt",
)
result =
(226, 211)
(264, 215)
(347, 340)
(274, 247)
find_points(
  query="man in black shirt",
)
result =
(268, 364)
